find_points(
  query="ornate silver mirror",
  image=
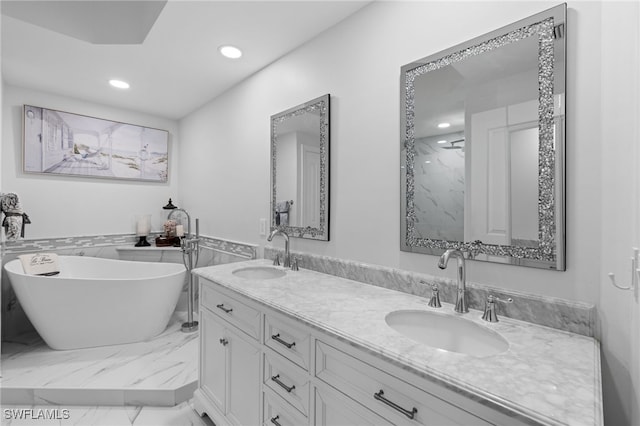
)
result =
(482, 143)
(300, 170)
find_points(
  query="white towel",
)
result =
(282, 206)
(40, 263)
(282, 212)
(14, 217)
(282, 219)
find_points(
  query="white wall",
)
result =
(61, 206)
(358, 63)
(620, 156)
(1, 119)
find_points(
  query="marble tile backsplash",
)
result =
(572, 316)
(76, 245)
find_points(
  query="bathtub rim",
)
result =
(15, 267)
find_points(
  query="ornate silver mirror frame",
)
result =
(300, 177)
(548, 252)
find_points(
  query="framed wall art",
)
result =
(63, 143)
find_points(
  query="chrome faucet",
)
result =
(287, 259)
(461, 298)
(189, 243)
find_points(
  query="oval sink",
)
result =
(447, 332)
(259, 272)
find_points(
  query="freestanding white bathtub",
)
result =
(98, 302)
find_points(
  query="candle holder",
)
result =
(142, 242)
(143, 229)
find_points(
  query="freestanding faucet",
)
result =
(287, 259)
(461, 298)
(190, 246)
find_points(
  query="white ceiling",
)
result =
(175, 69)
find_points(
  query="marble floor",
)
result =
(49, 415)
(161, 372)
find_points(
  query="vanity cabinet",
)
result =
(259, 366)
(230, 358)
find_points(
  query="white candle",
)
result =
(143, 226)
(141, 229)
(180, 230)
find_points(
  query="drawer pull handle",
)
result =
(277, 338)
(224, 342)
(276, 379)
(275, 421)
(221, 306)
(411, 414)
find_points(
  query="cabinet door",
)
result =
(243, 404)
(213, 359)
(336, 409)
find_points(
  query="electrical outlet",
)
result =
(263, 226)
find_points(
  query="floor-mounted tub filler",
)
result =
(98, 302)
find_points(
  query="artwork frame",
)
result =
(62, 143)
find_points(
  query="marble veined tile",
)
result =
(109, 375)
(180, 415)
(47, 415)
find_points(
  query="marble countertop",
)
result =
(548, 376)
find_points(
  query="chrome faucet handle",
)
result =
(276, 260)
(490, 314)
(434, 300)
(294, 264)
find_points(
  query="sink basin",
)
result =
(448, 332)
(259, 272)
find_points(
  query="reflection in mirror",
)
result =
(483, 144)
(300, 170)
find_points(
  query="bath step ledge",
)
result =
(160, 372)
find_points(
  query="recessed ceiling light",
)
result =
(230, 52)
(119, 84)
(428, 162)
(444, 125)
(442, 141)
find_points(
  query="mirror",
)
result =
(300, 170)
(482, 146)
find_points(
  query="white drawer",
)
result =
(335, 409)
(279, 412)
(396, 400)
(287, 380)
(291, 342)
(232, 310)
